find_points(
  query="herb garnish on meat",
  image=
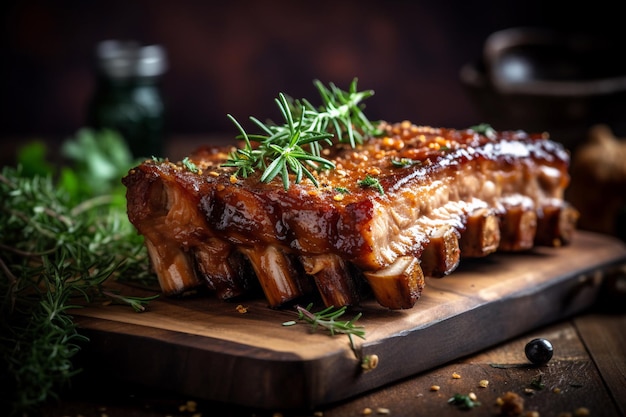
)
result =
(296, 146)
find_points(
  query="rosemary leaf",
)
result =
(295, 147)
(328, 319)
(372, 182)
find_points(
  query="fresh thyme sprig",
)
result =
(296, 146)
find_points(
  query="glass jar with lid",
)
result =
(127, 97)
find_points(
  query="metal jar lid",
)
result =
(125, 59)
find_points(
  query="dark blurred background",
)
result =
(235, 56)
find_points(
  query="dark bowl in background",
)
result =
(542, 80)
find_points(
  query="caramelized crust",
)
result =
(446, 194)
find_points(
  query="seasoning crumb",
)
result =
(531, 414)
(369, 362)
(189, 406)
(582, 412)
(338, 197)
(318, 414)
(529, 391)
(435, 387)
(456, 375)
(511, 404)
(556, 390)
(483, 383)
(472, 396)
(366, 411)
(233, 179)
(241, 309)
(382, 410)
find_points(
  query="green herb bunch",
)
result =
(62, 235)
(296, 145)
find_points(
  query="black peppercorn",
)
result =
(539, 351)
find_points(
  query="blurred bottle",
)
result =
(127, 97)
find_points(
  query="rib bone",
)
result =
(399, 285)
(333, 279)
(556, 224)
(481, 235)
(518, 228)
(221, 275)
(173, 267)
(442, 254)
(277, 274)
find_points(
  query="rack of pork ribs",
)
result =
(439, 196)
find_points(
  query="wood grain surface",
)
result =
(203, 347)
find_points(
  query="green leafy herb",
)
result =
(33, 159)
(508, 365)
(190, 165)
(537, 383)
(371, 182)
(295, 146)
(341, 110)
(328, 319)
(342, 190)
(97, 160)
(404, 162)
(484, 129)
(59, 242)
(463, 401)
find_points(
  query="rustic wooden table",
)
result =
(586, 374)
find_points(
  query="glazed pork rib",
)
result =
(410, 203)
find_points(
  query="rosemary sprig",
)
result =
(328, 319)
(59, 243)
(340, 109)
(295, 147)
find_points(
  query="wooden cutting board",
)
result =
(206, 348)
